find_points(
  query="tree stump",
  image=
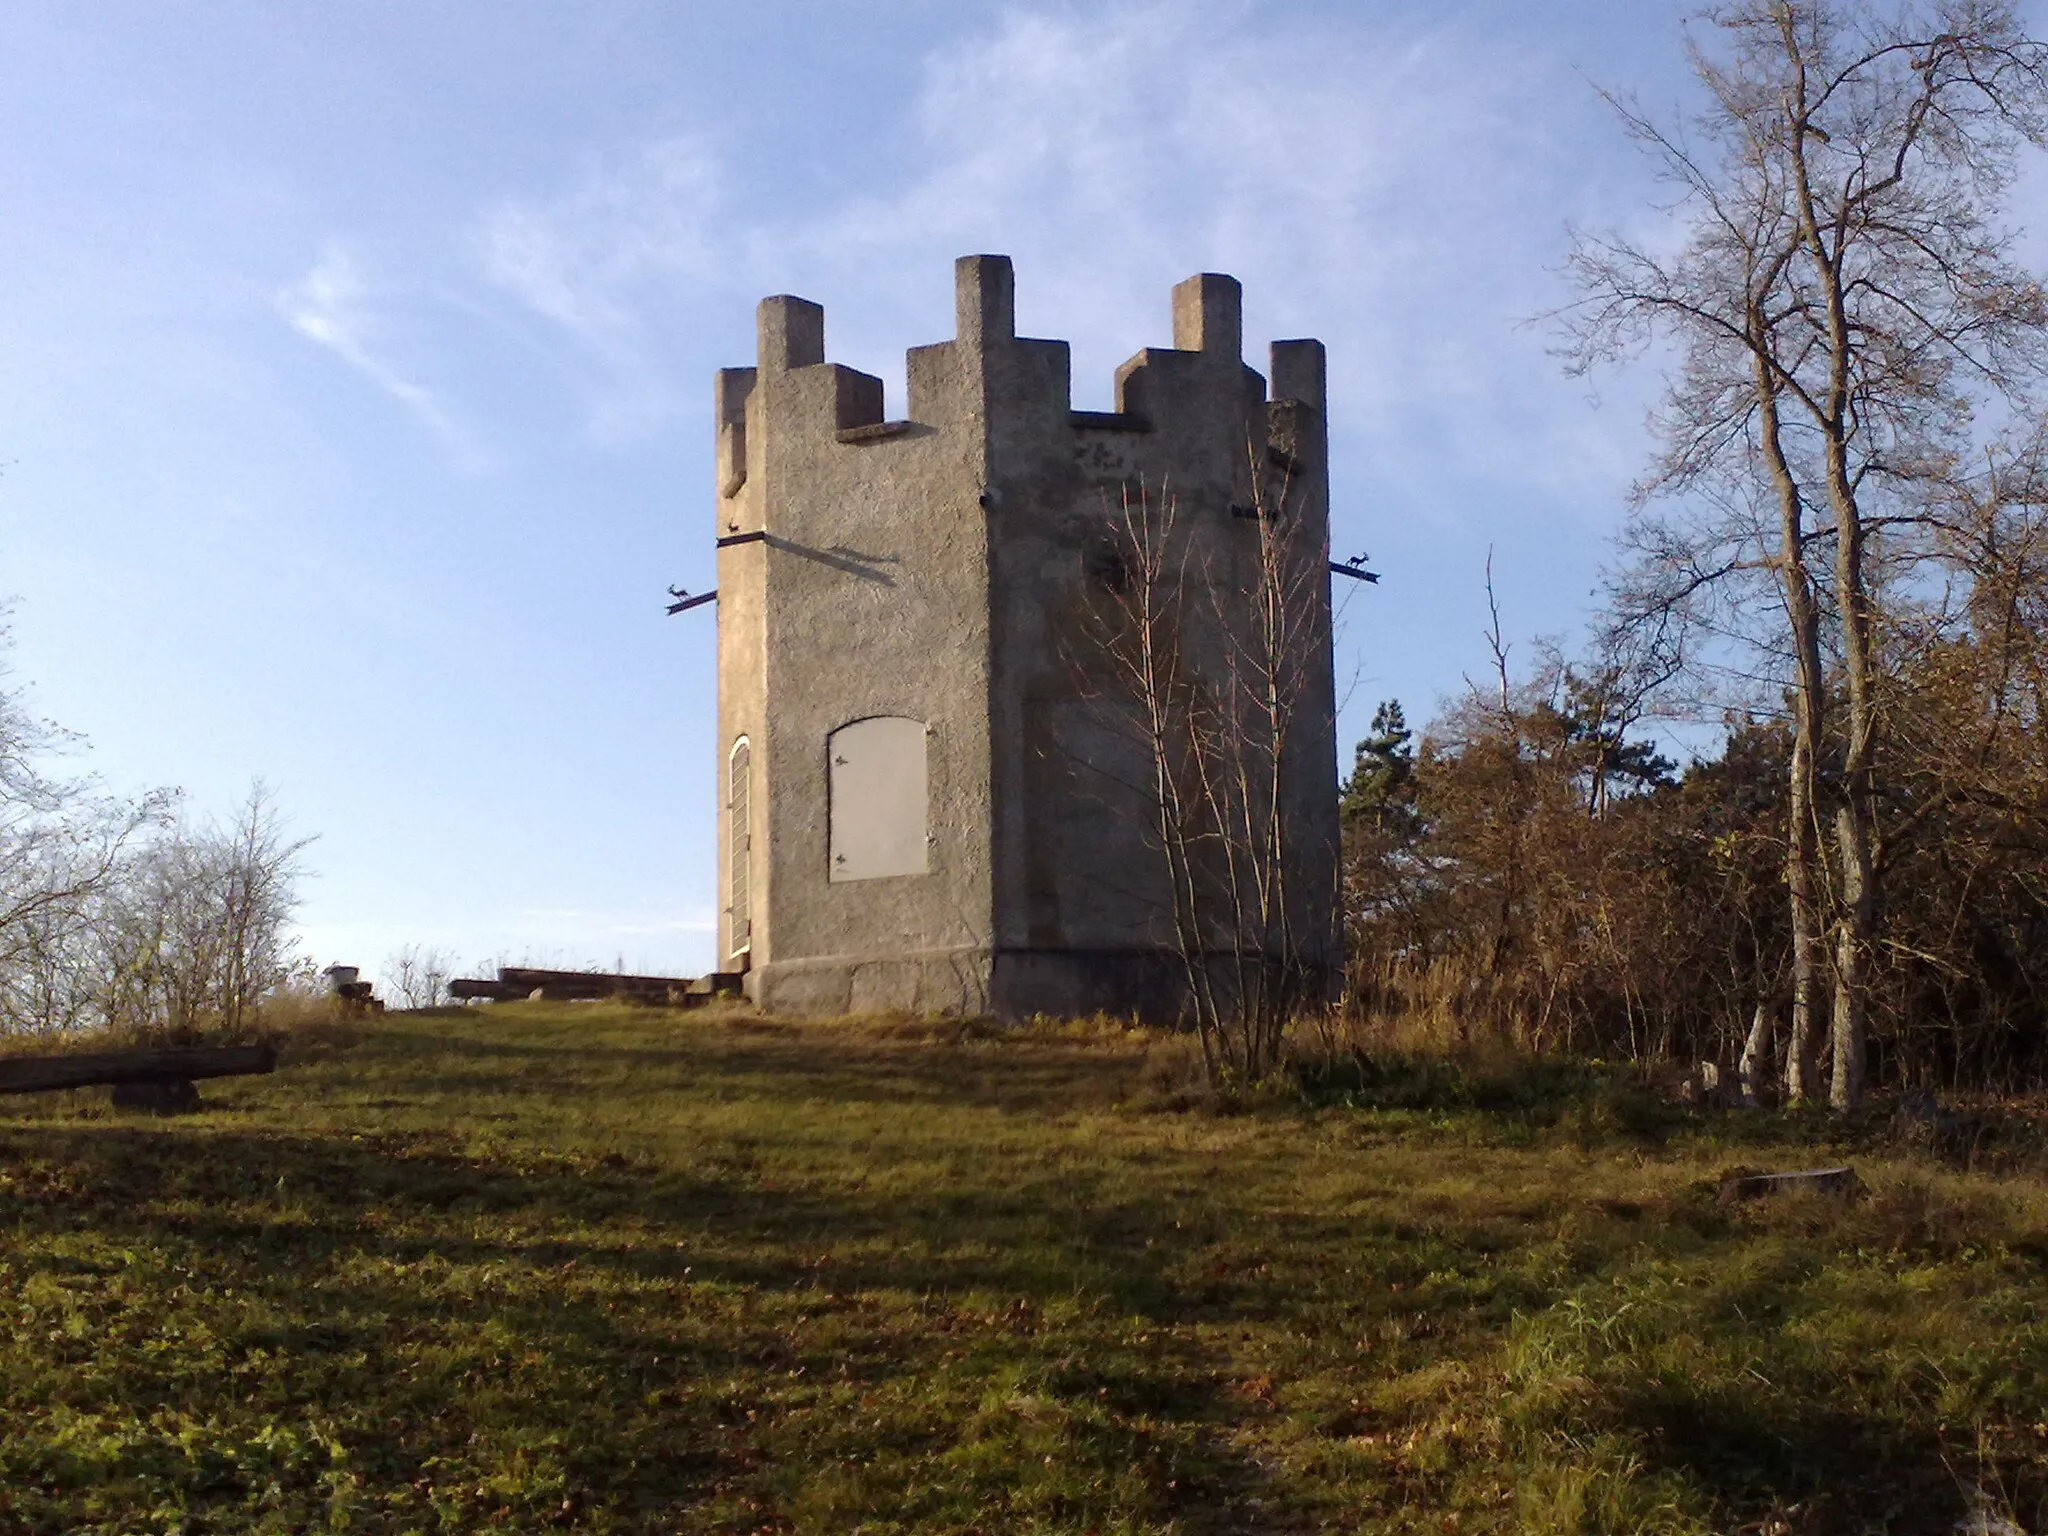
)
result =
(1754, 1186)
(158, 1096)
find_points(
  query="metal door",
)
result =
(878, 804)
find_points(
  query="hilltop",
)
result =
(596, 1268)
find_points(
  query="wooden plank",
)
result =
(41, 1074)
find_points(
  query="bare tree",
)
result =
(1206, 646)
(418, 977)
(256, 869)
(62, 846)
(198, 925)
(1849, 311)
(127, 914)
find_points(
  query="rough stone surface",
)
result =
(939, 569)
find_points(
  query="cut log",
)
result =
(1754, 1186)
(516, 983)
(571, 986)
(41, 1074)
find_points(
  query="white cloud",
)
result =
(329, 307)
(1395, 187)
(604, 261)
(587, 259)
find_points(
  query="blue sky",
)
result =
(355, 367)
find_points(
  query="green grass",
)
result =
(579, 1268)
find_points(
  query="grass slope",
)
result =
(591, 1269)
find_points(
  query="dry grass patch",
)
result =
(593, 1268)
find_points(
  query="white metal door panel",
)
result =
(878, 806)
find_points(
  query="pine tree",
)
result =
(1380, 793)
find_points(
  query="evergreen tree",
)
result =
(1380, 793)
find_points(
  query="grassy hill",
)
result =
(591, 1269)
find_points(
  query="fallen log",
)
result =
(1755, 1186)
(42, 1074)
(518, 982)
(584, 985)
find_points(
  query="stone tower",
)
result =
(922, 804)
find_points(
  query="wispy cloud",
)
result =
(1393, 187)
(604, 261)
(329, 306)
(588, 258)
(1390, 185)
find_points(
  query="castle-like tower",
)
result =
(925, 805)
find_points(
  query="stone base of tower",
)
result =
(951, 981)
(1007, 984)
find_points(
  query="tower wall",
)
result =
(950, 569)
(1083, 909)
(852, 578)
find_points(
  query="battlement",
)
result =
(977, 377)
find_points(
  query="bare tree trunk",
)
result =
(1800, 857)
(1853, 937)
(1756, 1056)
(1854, 833)
(1513, 871)
(1855, 818)
(1148, 652)
(1801, 831)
